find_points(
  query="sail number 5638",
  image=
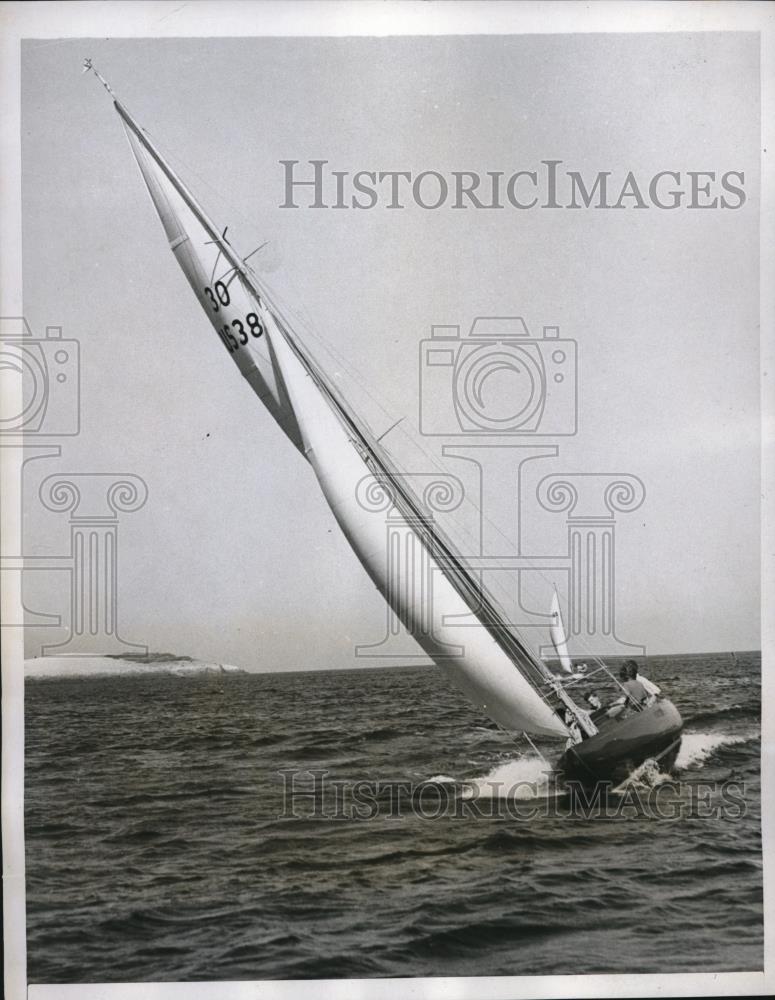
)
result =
(237, 333)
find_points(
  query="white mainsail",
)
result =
(557, 632)
(217, 284)
(494, 668)
(483, 671)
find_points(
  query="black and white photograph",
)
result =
(386, 563)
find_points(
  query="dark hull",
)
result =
(623, 744)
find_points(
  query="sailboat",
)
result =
(495, 667)
(618, 739)
(559, 640)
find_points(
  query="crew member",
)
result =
(636, 693)
(596, 710)
(573, 727)
(652, 690)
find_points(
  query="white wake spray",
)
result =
(697, 747)
(695, 750)
(531, 777)
(523, 778)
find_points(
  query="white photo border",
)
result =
(237, 18)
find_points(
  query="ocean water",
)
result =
(162, 842)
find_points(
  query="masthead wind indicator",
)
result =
(89, 66)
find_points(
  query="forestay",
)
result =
(490, 664)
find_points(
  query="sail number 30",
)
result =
(237, 333)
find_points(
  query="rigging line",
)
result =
(175, 157)
(472, 593)
(218, 257)
(232, 271)
(470, 503)
(488, 610)
(357, 375)
(215, 265)
(329, 348)
(392, 426)
(588, 651)
(522, 587)
(238, 263)
(468, 589)
(535, 749)
(89, 66)
(252, 252)
(404, 498)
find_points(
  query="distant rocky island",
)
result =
(113, 665)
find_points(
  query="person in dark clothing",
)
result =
(636, 693)
(651, 689)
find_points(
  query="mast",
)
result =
(215, 235)
(474, 594)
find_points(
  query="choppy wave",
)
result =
(724, 714)
(696, 748)
(159, 845)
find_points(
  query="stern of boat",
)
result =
(622, 745)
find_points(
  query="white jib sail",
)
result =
(557, 632)
(483, 670)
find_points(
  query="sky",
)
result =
(235, 556)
